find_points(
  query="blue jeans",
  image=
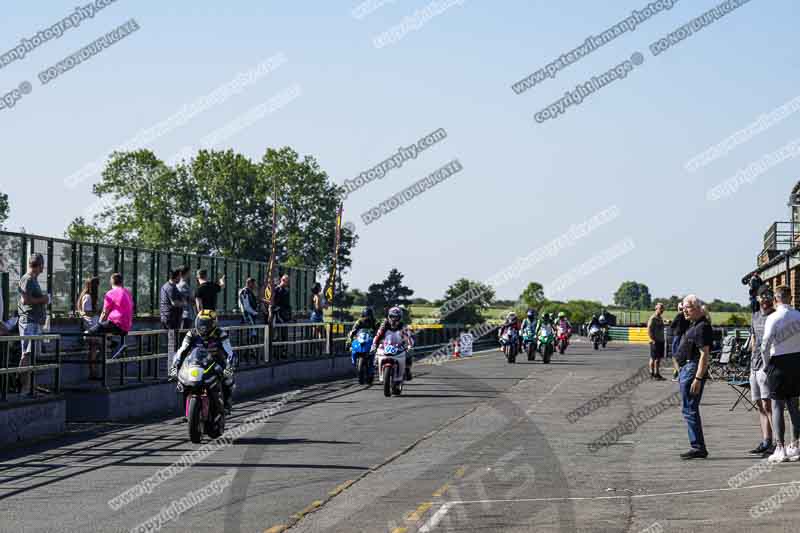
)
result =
(691, 405)
(676, 341)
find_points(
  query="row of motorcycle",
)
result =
(545, 342)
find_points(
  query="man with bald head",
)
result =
(693, 357)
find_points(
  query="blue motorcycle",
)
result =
(361, 356)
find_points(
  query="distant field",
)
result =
(717, 318)
(421, 312)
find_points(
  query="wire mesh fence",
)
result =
(68, 264)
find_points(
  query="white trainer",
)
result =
(792, 453)
(779, 456)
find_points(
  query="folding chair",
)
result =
(742, 388)
(718, 369)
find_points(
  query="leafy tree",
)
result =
(533, 295)
(736, 320)
(671, 303)
(577, 311)
(469, 313)
(633, 295)
(388, 293)
(219, 202)
(359, 297)
(420, 301)
(4, 209)
(730, 307)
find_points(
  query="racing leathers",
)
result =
(565, 325)
(219, 346)
(363, 323)
(398, 333)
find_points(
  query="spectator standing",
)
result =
(655, 330)
(32, 310)
(170, 305)
(316, 303)
(207, 291)
(280, 312)
(185, 288)
(86, 307)
(693, 357)
(759, 387)
(780, 350)
(281, 305)
(248, 305)
(678, 326)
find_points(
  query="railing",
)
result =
(143, 357)
(12, 376)
(69, 263)
(781, 236)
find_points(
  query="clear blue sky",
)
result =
(523, 183)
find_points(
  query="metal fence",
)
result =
(145, 356)
(24, 380)
(69, 263)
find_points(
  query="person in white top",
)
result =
(86, 308)
(780, 350)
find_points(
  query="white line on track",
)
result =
(443, 510)
(435, 519)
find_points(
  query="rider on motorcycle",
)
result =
(367, 321)
(394, 323)
(594, 322)
(530, 319)
(545, 319)
(207, 334)
(511, 322)
(564, 323)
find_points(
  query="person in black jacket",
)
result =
(678, 327)
(367, 321)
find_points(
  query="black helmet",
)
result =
(367, 312)
(206, 323)
(531, 314)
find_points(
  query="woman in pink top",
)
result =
(117, 316)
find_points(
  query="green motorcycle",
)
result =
(547, 340)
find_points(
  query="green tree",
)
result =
(730, 307)
(359, 297)
(471, 312)
(533, 295)
(736, 320)
(670, 303)
(219, 202)
(633, 295)
(4, 209)
(388, 293)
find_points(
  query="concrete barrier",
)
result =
(32, 419)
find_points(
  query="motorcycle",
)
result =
(361, 356)
(562, 339)
(199, 379)
(597, 337)
(529, 341)
(546, 342)
(391, 364)
(510, 344)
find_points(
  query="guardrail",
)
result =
(11, 373)
(143, 357)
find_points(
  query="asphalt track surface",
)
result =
(472, 445)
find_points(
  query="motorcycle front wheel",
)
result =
(195, 424)
(548, 353)
(361, 366)
(387, 381)
(531, 352)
